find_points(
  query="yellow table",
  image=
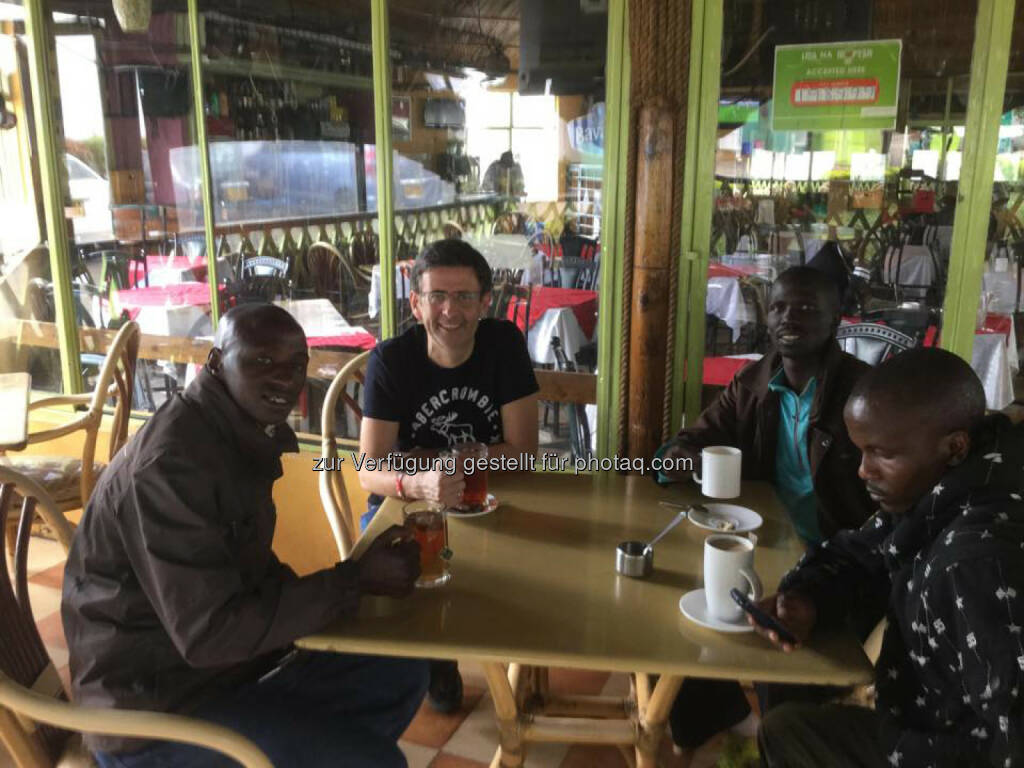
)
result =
(534, 583)
(14, 390)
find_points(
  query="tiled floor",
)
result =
(466, 739)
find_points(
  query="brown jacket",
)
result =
(171, 590)
(746, 415)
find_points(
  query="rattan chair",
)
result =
(70, 480)
(333, 495)
(36, 720)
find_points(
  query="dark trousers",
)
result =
(814, 735)
(318, 710)
(704, 707)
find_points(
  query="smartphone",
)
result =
(761, 618)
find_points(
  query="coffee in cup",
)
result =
(721, 466)
(729, 564)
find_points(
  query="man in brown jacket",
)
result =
(173, 600)
(785, 412)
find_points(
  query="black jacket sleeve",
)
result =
(846, 575)
(182, 555)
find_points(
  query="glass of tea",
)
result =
(429, 526)
(471, 458)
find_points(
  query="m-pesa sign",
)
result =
(836, 86)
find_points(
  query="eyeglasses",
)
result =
(464, 298)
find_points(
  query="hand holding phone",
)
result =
(762, 619)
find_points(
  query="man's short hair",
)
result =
(822, 283)
(252, 322)
(936, 384)
(451, 253)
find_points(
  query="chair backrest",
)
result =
(333, 495)
(872, 343)
(588, 276)
(116, 381)
(35, 718)
(323, 268)
(512, 302)
(579, 426)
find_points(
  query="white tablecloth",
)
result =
(318, 317)
(560, 322)
(725, 301)
(1003, 289)
(916, 267)
(995, 359)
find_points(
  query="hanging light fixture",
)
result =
(133, 15)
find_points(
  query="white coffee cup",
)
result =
(729, 564)
(721, 465)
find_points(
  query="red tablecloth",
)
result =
(181, 295)
(358, 340)
(994, 323)
(718, 371)
(542, 298)
(160, 261)
(720, 270)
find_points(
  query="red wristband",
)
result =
(398, 485)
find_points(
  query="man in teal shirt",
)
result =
(793, 480)
(785, 412)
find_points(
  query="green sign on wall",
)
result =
(836, 86)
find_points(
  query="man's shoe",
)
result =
(445, 691)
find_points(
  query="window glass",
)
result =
(504, 147)
(839, 146)
(28, 334)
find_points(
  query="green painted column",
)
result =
(613, 222)
(385, 164)
(203, 147)
(51, 157)
(992, 35)
(698, 204)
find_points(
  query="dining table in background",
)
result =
(166, 310)
(568, 313)
(14, 396)
(325, 326)
(534, 586)
(167, 269)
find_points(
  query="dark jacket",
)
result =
(171, 590)
(746, 415)
(949, 576)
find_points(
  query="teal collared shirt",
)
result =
(793, 479)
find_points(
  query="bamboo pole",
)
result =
(579, 730)
(510, 753)
(651, 273)
(652, 720)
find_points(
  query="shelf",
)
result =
(283, 72)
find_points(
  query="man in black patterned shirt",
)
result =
(942, 560)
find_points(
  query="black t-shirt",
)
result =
(439, 407)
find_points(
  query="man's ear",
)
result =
(414, 305)
(957, 445)
(214, 361)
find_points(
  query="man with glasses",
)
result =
(457, 376)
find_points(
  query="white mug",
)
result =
(721, 465)
(729, 564)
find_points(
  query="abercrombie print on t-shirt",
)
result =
(439, 407)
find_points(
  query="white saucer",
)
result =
(488, 507)
(695, 608)
(743, 518)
